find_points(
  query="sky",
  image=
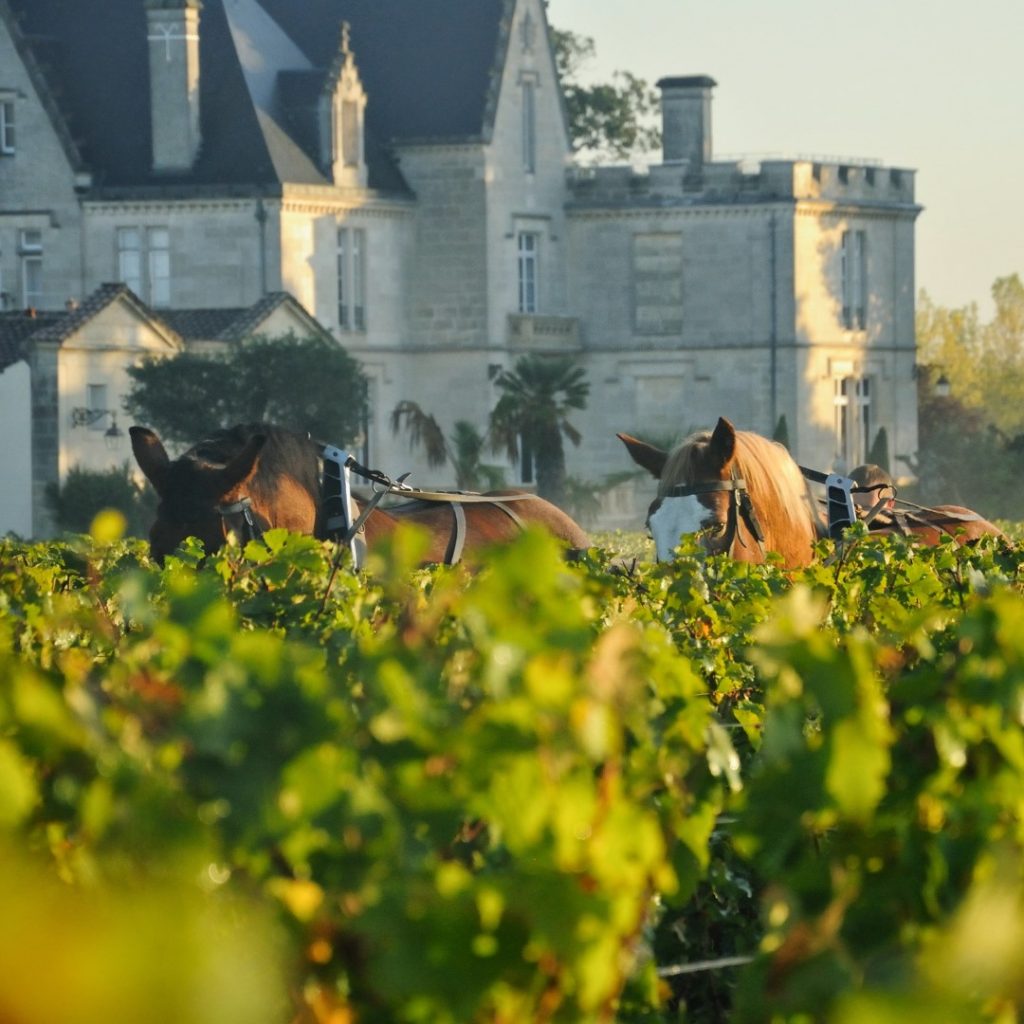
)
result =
(935, 86)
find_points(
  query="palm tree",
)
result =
(530, 418)
(423, 430)
(463, 449)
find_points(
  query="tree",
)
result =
(306, 385)
(781, 434)
(984, 362)
(87, 492)
(463, 450)
(530, 419)
(879, 453)
(967, 452)
(606, 119)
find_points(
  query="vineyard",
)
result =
(529, 790)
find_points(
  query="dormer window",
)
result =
(342, 117)
(528, 87)
(351, 134)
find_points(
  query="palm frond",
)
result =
(422, 430)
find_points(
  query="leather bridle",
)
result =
(740, 507)
(239, 518)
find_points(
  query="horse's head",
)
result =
(196, 491)
(695, 489)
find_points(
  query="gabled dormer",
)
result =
(342, 111)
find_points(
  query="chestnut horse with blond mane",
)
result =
(745, 496)
(259, 476)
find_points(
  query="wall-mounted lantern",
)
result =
(83, 417)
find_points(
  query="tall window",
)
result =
(144, 263)
(529, 125)
(528, 249)
(30, 250)
(855, 280)
(358, 279)
(158, 244)
(129, 258)
(852, 401)
(7, 146)
(352, 279)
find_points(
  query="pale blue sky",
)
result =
(932, 85)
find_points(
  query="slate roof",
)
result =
(19, 330)
(15, 330)
(427, 66)
(229, 324)
(63, 325)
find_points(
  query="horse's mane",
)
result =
(766, 466)
(284, 454)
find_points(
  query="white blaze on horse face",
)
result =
(672, 520)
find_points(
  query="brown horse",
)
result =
(258, 476)
(929, 525)
(740, 492)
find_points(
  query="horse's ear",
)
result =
(722, 446)
(645, 455)
(151, 456)
(242, 466)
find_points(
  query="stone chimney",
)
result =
(686, 120)
(173, 34)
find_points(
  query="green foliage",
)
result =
(702, 791)
(464, 449)
(971, 443)
(984, 362)
(607, 119)
(306, 385)
(582, 498)
(86, 492)
(962, 461)
(531, 417)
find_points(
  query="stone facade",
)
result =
(697, 288)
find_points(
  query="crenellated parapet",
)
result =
(742, 180)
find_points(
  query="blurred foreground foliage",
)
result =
(526, 791)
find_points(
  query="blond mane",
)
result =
(773, 478)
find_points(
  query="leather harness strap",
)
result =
(458, 538)
(456, 500)
(504, 508)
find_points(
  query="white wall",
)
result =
(16, 451)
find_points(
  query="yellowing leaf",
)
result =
(108, 527)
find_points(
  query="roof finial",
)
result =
(346, 38)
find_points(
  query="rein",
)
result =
(740, 507)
